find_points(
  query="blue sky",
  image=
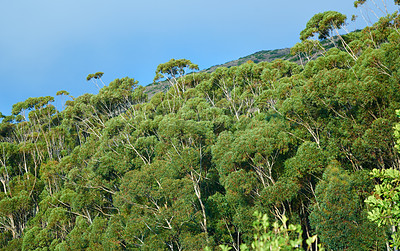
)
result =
(52, 45)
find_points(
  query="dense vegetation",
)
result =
(188, 168)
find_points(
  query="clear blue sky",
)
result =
(52, 45)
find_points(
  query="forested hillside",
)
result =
(261, 56)
(188, 168)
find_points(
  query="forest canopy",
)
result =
(186, 169)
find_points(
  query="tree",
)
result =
(323, 24)
(307, 48)
(385, 202)
(173, 71)
(94, 77)
(337, 214)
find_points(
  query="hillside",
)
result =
(263, 154)
(257, 57)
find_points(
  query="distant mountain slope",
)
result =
(260, 56)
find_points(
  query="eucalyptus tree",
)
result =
(327, 25)
(173, 71)
(338, 216)
(94, 77)
(323, 24)
(308, 49)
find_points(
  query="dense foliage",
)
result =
(188, 168)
